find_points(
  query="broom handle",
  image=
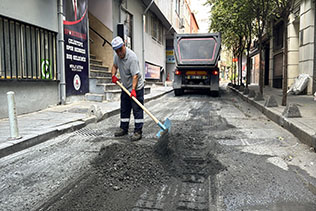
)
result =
(138, 103)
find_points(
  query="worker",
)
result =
(125, 60)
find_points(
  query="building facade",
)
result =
(301, 45)
(28, 64)
(301, 49)
(40, 45)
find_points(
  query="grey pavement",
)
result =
(304, 127)
(40, 126)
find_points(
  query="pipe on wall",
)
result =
(143, 35)
(60, 54)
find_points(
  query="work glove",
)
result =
(114, 79)
(133, 93)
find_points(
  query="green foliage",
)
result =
(234, 19)
(240, 20)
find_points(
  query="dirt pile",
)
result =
(129, 166)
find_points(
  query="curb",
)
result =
(32, 140)
(305, 136)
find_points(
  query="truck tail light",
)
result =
(177, 72)
(215, 72)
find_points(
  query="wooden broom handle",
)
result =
(138, 103)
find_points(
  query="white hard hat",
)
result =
(117, 42)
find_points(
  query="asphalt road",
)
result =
(222, 155)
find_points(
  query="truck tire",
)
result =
(178, 92)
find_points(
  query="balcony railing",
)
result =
(27, 52)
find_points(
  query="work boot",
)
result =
(120, 132)
(136, 136)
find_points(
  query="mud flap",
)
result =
(214, 84)
(177, 83)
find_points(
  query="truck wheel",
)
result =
(178, 92)
(214, 93)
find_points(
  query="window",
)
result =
(278, 34)
(26, 51)
(160, 33)
(302, 38)
(156, 30)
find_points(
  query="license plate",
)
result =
(194, 77)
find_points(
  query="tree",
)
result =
(263, 11)
(283, 10)
(234, 20)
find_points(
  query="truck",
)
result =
(196, 57)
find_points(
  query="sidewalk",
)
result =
(40, 126)
(304, 128)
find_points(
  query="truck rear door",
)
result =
(197, 49)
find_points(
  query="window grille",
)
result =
(27, 52)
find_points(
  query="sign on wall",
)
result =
(152, 71)
(170, 57)
(46, 69)
(76, 46)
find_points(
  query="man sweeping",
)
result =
(125, 60)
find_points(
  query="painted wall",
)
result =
(29, 96)
(306, 49)
(42, 13)
(102, 10)
(104, 53)
(154, 52)
(168, 9)
(136, 8)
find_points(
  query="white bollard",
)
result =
(14, 130)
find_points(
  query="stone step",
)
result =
(92, 56)
(110, 95)
(95, 97)
(96, 61)
(109, 86)
(98, 67)
(158, 83)
(104, 80)
(94, 84)
(100, 73)
(114, 95)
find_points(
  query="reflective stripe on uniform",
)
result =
(125, 120)
(139, 120)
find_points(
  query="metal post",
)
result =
(61, 54)
(14, 130)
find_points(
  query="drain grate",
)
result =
(89, 132)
